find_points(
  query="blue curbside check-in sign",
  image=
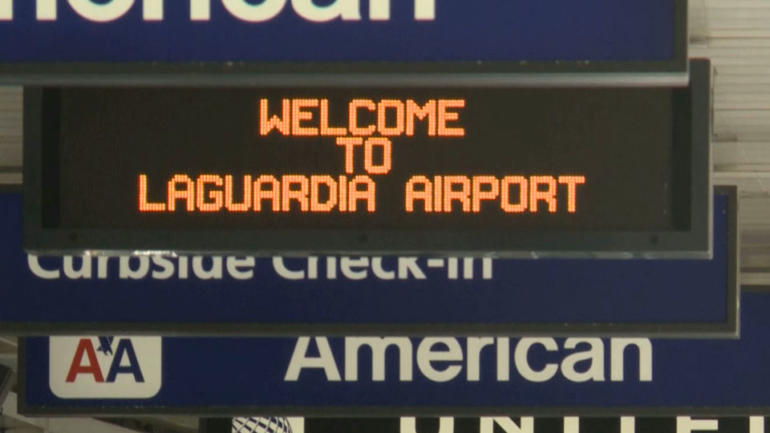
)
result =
(366, 295)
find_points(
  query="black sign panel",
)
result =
(480, 170)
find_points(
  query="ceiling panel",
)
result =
(735, 34)
(10, 128)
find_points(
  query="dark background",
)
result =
(620, 139)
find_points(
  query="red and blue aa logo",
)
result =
(124, 360)
(105, 367)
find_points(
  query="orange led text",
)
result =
(287, 193)
(362, 118)
(512, 194)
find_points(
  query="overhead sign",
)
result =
(382, 376)
(367, 294)
(285, 40)
(497, 424)
(402, 170)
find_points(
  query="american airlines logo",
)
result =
(105, 367)
(200, 10)
(447, 359)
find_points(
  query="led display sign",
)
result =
(483, 170)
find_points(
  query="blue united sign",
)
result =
(366, 295)
(392, 375)
(285, 40)
(490, 424)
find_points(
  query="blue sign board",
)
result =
(366, 295)
(397, 375)
(91, 38)
(490, 424)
